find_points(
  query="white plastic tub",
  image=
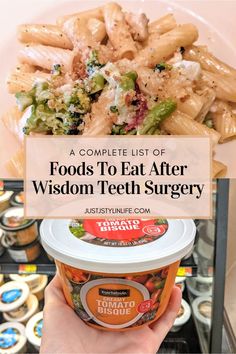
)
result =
(13, 296)
(31, 306)
(5, 200)
(32, 280)
(34, 330)
(202, 307)
(118, 274)
(200, 286)
(12, 338)
(182, 317)
(39, 290)
(180, 282)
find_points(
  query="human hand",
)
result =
(65, 333)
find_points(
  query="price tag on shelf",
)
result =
(27, 268)
(184, 272)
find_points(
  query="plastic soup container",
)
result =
(118, 274)
(13, 296)
(200, 286)
(34, 330)
(32, 280)
(182, 317)
(12, 338)
(39, 290)
(5, 200)
(30, 308)
(180, 282)
(23, 254)
(18, 231)
(202, 307)
(17, 199)
(2, 249)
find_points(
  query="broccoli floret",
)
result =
(78, 101)
(93, 63)
(120, 130)
(42, 119)
(127, 81)
(25, 99)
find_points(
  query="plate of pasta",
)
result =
(129, 68)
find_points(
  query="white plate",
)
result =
(214, 19)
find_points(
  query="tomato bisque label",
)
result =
(113, 303)
(118, 233)
(116, 302)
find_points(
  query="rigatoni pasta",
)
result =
(51, 35)
(164, 46)
(224, 120)
(208, 96)
(191, 105)
(93, 13)
(118, 31)
(80, 35)
(219, 170)
(181, 124)
(208, 61)
(97, 29)
(46, 57)
(15, 165)
(11, 120)
(23, 81)
(224, 86)
(106, 71)
(162, 25)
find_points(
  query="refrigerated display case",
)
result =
(203, 274)
(230, 279)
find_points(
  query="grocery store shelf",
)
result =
(42, 265)
(188, 268)
(16, 185)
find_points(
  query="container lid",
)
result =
(17, 199)
(5, 196)
(27, 278)
(12, 295)
(191, 283)
(32, 304)
(202, 307)
(12, 219)
(118, 246)
(204, 280)
(34, 329)
(41, 286)
(12, 337)
(7, 243)
(183, 314)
